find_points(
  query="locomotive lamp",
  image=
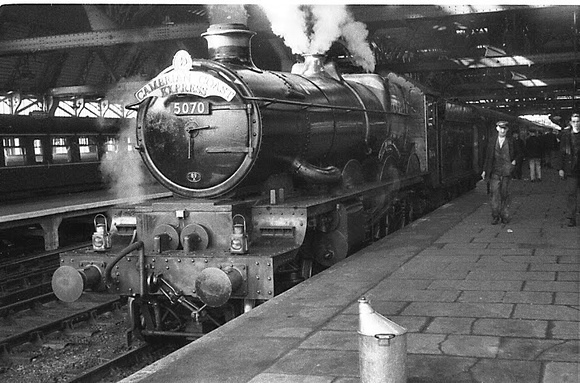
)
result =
(101, 236)
(239, 237)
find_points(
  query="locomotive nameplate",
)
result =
(184, 82)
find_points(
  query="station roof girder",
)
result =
(527, 55)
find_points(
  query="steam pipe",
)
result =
(306, 105)
(132, 247)
(142, 273)
(315, 174)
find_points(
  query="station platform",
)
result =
(481, 303)
(49, 211)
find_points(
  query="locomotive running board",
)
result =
(325, 204)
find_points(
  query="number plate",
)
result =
(181, 108)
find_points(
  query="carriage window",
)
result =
(38, 151)
(130, 144)
(88, 149)
(60, 151)
(14, 152)
(431, 114)
(111, 145)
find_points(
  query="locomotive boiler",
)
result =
(275, 176)
(209, 128)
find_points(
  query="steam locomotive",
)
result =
(275, 177)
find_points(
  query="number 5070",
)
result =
(190, 107)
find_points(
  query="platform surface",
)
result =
(481, 303)
(66, 203)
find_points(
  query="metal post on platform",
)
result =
(382, 347)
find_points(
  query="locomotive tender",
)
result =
(275, 176)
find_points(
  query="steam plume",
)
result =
(310, 29)
(289, 22)
(123, 168)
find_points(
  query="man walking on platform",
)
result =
(519, 148)
(500, 159)
(569, 165)
(534, 153)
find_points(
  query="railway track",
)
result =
(125, 364)
(87, 345)
(26, 276)
(30, 312)
(104, 369)
(33, 321)
(35, 325)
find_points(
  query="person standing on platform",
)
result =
(500, 159)
(569, 166)
(550, 149)
(519, 148)
(534, 153)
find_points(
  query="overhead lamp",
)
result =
(491, 51)
(505, 84)
(532, 83)
(518, 76)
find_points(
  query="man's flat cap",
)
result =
(503, 124)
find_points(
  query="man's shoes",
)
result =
(571, 222)
(495, 221)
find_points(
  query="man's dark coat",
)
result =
(488, 164)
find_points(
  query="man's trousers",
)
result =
(572, 191)
(500, 196)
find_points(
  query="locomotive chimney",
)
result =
(313, 65)
(229, 43)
